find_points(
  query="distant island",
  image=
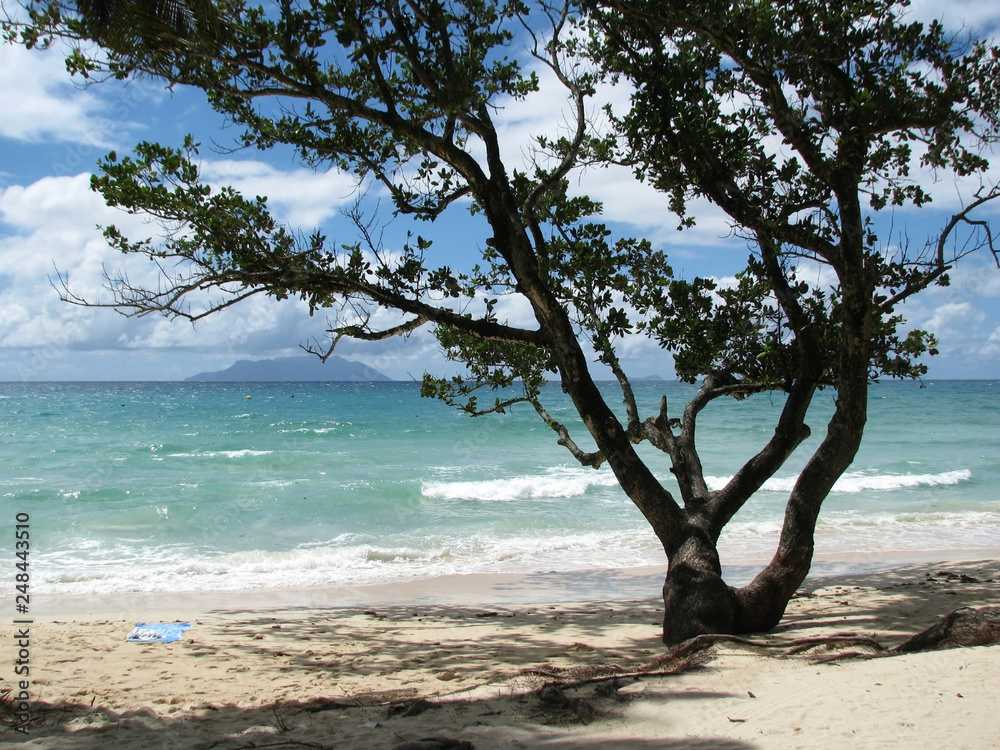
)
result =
(308, 369)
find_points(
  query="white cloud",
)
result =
(971, 279)
(55, 222)
(953, 319)
(967, 338)
(54, 227)
(43, 104)
(992, 346)
(642, 357)
(301, 198)
(958, 15)
(515, 310)
(52, 203)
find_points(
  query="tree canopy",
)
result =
(801, 121)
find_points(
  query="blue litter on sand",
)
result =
(157, 632)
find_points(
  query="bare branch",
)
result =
(941, 263)
(659, 431)
(594, 459)
(361, 332)
(134, 301)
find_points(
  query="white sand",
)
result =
(322, 676)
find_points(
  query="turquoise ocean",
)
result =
(251, 487)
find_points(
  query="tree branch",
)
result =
(593, 460)
(361, 332)
(941, 264)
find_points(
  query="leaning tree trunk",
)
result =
(761, 605)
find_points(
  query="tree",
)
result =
(799, 121)
(131, 27)
(856, 97)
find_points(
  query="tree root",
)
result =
(963, 627)
(661, 667)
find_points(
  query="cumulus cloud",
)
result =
(966, 333)
(43, 104)
(54, 222)
(953, 319)
(301, 198)
(973, 278)
(993, 341)
(49, 106)
(51, 223)
(53, 228)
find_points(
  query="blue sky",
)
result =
(53, 131)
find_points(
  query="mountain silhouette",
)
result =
(293, 369)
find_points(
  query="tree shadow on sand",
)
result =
(363, 722)
(378, 678)
(896, 603)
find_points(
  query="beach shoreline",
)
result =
(483, 589)
(329, 674)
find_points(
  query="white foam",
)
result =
(855, 482)
(557, 483)
(310, 430)
(353, 565)
(355, 560)
(225, 454)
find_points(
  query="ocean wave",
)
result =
(930, 520)
(356, 564)
(558, 483)
(359, 560)
(243, 453)
(854, 482)
(310, 430)
(571, 482)
(875, 533)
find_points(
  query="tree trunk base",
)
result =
(696, 600)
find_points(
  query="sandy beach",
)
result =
(379, 676)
